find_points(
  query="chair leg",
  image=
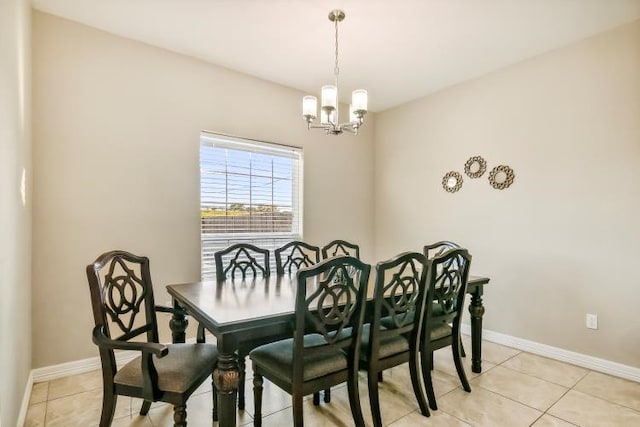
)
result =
(316, 398)
(257, 399)
(109, 400)
(462, 352)
(427, 365)
(298, 419)
(415, 382)
(180, 416)
(214, 392)
(327, 395)
(354, 399)
(374, 398)
(241, 380)
(428, 384)
(380, 379)
(459, 367)
(146, 405)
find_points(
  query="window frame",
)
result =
(211, 242)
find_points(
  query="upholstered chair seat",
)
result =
(178, 371)
(277, 358)
(389, 346)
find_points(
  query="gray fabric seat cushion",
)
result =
(440, 331)
(388, 322)
(437, 332)
(277, 358)
(177, 371)
(388, 345)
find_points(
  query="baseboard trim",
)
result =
(556, 353)
(22, 416)
(54, 372)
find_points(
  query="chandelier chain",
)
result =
(336, 70)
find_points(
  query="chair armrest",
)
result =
(173, 310)
(101, 340)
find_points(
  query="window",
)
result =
(250, 191)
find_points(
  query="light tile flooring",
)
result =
(514, 389)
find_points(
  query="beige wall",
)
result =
(116, 127)
(116, 140)
(563, 240)
(15, 218)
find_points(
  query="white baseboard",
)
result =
(22, 416)
(53, 372)
(578, 359)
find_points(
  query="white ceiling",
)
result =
(398, 50)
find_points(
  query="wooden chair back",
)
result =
(340, 247)
(447, 287)
(122, 300)
(330, 302)
(296, 255)
(241, 259)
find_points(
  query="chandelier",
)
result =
(329, 118)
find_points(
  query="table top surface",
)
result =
(240, 302)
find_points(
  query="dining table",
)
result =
(262, 308)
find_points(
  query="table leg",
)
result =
(225, 378)
(178, 325)
(476, 309)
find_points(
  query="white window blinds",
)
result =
(250, 191)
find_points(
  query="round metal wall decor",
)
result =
(452, 181)
(475, 167)
(501, 177)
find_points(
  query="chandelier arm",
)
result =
(318, 126)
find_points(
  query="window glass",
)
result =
(250, 191)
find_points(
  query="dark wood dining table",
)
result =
(237, 311)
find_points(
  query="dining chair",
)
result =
(331, 249)
(446, 289)
(393, 336)
(295, 255)
(438, 248)
(124, 311)
(242, 260)
(291, 257)
(340, 247)
(324, 350)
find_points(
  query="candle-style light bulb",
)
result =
(359, 100)
(310, 107)
(329, 97)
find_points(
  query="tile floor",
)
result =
(514, 389)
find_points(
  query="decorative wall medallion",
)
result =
(475, 167)
(501, 177)
(452, 181)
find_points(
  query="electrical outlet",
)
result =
(592, 321)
